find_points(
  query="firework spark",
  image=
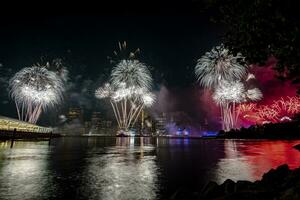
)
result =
(132, 73)
(128, 91)
(35, 89)
(279, 110)
(219, 64)
(254, 94)
(123, 53)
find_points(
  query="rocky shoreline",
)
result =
(286, 130)
(280, 184)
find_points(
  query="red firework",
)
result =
(282, 109)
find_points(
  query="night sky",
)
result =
(170, 44)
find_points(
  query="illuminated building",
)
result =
(96, 121)
(145, 123)
(87, 126)
(75, 113)
(9, 124)
(160, 124)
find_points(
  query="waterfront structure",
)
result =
(75, 113)
(9, 124)
(160, 124)
(96, 121)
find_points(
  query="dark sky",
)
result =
(171, 39)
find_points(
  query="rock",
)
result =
(274, 178)
(292, 179)
(297, 147)
(244, 186)
(210, 189)
(253, 195)
(228, 186)
(183, 194)
(290, 194)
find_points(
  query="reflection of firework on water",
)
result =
(219, 64)
(35, 89)
(129, 91)
(280, 110)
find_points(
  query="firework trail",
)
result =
(218, 65)
(129, 87)
(35, 89)
(279, 110)
(227, 75)
(127, 103)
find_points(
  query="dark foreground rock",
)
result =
(297, 147)
(280, 184)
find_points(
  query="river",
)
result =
(111, 168)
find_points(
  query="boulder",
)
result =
(244, 186)
(275, 177)
(210, 189)
(290, 194)
(228, 186)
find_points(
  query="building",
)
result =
(96, 121)
(160, 124)
(9, 124)
(75, 113)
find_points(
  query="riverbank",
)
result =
(287, 130)
(280, 183)
(11, 135)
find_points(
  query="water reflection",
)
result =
(249, 160)
(132, 168)
(122, 172)
(22, 171)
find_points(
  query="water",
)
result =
(132, 168)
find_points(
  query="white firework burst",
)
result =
(103, 92)
(219, 64)
(254, 94)
(148, 99)
(229, 92)
(133, 73)
(35, 89)
(128, 91)
(250, 76)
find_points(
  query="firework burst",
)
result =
(279, 110)
(128, 90)
(219, 64)
(35, 89)
(132, 73)
(254, 94)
